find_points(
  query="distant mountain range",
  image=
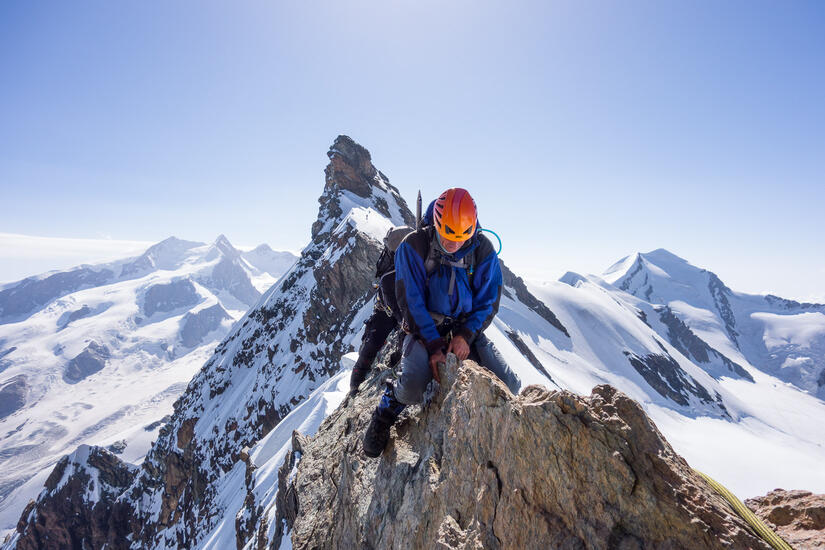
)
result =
(98, 353)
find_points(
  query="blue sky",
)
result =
(585, 130)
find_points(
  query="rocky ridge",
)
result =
(299, 329)
(478, 467)
(78, 488)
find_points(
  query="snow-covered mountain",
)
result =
(211, 480)
(97, 354)
(783, 338)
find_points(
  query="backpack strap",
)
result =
(435, 258)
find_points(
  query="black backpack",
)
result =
(386, 261)
(385, 271)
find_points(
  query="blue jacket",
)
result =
(475, 300)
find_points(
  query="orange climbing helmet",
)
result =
(455, 215)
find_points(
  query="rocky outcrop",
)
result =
(13, 395)
(75, 508)
(480, 468)
(663, 373)
(696, 349)
(796, 516)
(195, 326)
(351, 175)
(86, 363)
(721, 296)
(169, 297)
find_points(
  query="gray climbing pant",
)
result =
(416, 373)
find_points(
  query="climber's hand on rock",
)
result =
(435, 359)
(458, 345)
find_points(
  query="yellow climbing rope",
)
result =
(767, 534)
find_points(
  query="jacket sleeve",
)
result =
(487, 283)
(410, 288)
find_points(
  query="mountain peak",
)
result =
(353, 163)
(263, 247)
(661, 262)
(165, 254)
(223, 245)
(662, 255)
(352, 181)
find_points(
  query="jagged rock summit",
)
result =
(480, 468)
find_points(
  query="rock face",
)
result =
(195, 326)
(686, 341)
(796, 516)
(170, 296)
(664, 375)
(480, 468)
(89, 361)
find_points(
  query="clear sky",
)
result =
(585, 130)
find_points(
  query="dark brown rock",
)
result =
(796, 516)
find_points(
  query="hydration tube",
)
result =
(500, 246)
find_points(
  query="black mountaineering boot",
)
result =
(378, 432)
(383, 417)
(359, 374)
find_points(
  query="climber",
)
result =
(448, 287)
